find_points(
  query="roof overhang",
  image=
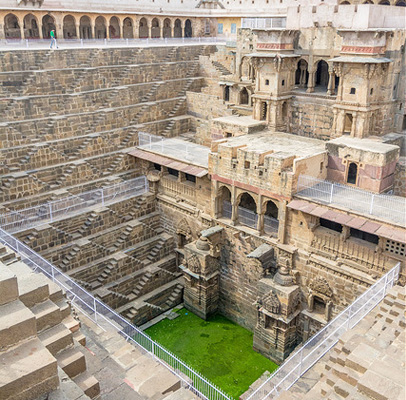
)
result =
(356, 222)
(169, 163)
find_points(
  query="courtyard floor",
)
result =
(218, 348)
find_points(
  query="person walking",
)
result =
(53, 39)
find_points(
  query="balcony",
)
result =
(171, 187)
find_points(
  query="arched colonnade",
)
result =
(80, 26)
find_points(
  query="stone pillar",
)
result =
(310, 84)
(108, 30)
(282, 215)
(121, 22)
(161, 29)
(59, 30)
(93, 26)
(331, 82)
(22, 30)
(182, 25)
(234, 206)
(260, 213)
(77, 30)
(354, 122)
(136, 28)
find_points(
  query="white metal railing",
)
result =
(271, 225)
(74, 43)
(48, 212)
(174, 147)
(380, 205)
(319, 344)
(247, 217)
(264, 23)
(98, 311)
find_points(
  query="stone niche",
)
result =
(278, 308)
(364, 163)
(201, 273)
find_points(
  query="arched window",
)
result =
(188, 28)
(247, 211)
(155, 31)
(352, 173)
(225, 208)
(85, 28)
(384, 3)
(177, 30)
(143, 28)
(271, 222)
(167, 29)
(322, 74)
(48, 25)
(31, 30)
(100, 28)
(69, 27)
(12, 27)
(114, 28)
(400, 3)
(302, 73)
(244, 97)
(128, 28)
(284, 111)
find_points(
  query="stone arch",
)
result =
(322, 75)
(224, 206)
(31, 30)
(100, 28)
(352, 173)
(384, 3)
(320, 287)
(155, 28)
(320, 297)
(271, 303)
(85, 28)
(12, 27)
(247, 210)
(69, 27)
(244, 96)
(184, 233)
(128, 28)
(400, 3)
(302, 73)
(167, 28)
(188, 29)
(143, 29)
(368, 2)
(344, 3)
(114, 28)
(48, 25)
(177, 29)
(271, 214)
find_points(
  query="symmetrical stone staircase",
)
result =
(38, 335)
(366, 363)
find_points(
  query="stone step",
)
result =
(88, 383)
(72, 361)
(8, 286)
(32, 289)
(64, 307)
(27, 371)
(47, 315)
(17, 323)
(56, 338)
(71, 323)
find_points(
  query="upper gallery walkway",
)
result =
(63, 44)
(383, 206)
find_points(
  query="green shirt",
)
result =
(52, 35)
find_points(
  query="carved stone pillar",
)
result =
(234, 206)
(331, 82)
(310, 84)
(22, 31)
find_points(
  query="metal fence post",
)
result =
(95, 311)
(50, 211)
(102, 196)
(371, 207)
(81, 42)
(331, 192)
(349, 317)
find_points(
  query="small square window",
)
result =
(283, 82)
(352, 90)
(229, 134)
(371, 91)
(267, 82)
(247, 164)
